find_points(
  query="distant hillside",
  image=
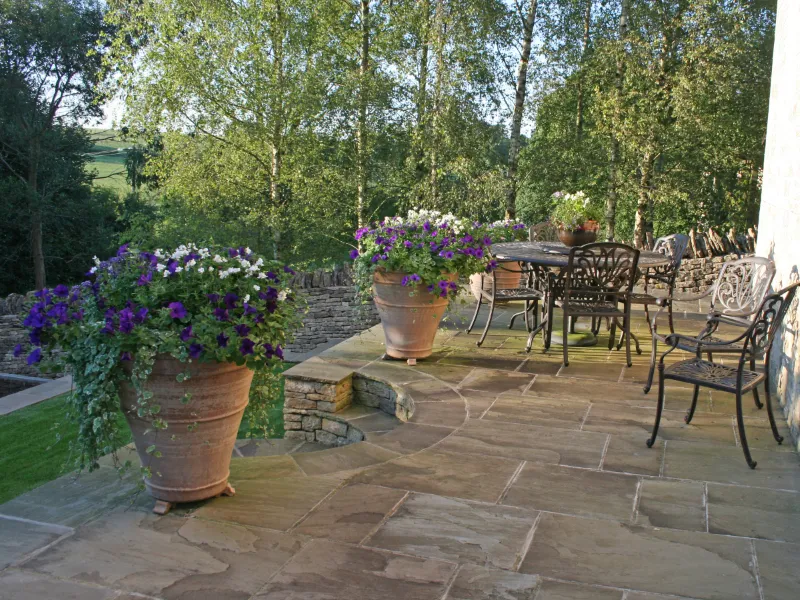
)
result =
(108, 159)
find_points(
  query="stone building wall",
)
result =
(779, 219)
(334, 311)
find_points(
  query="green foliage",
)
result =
(195, 304)
(575, 212)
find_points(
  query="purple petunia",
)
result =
(408, 244)
(177, 310)
(405, 280)
(186, 334)
(416, 278)
(195, 350)
(213, 298)
(249, 309)
(172, 266)
(354, 254)
(230, 300)
(491, 266)
(269, 351)
(246, 346)
(279, 351)
(145, 279)
(222, 340)
(18, 350)
(375, 258)
(233, 252)
(221, 314)
(125, 356)
(141, 315)
(61, 290)
(123, 250)
(242, 330)
(487, 241)
(35, 356)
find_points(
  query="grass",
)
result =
(31, 455)
(109, 160)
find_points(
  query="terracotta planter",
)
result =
(577, 238)
(507, 277)
(409, 320)
(193, 465)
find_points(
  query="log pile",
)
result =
(708, 243)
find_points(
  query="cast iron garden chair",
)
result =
(756, 341)
(735, 296)
(597, 283)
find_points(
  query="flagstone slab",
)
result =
(262, 447)
(627, 453)
(608, 370)
(71, 500)
(496, 381)
(682, 563)
(559, 590)
(19, 538)
(345, 458)
(574, 491)
(170, 557)
(483, 360)
(411, 438)
(672, 504)
(455, 530)
(376, 421)
(272, 503)
(546, 412)
(477, 402)
(603, 392)
(351, 513)
(475, 582)
(452, 374)
(264, 467)
(777, 566)
(431, 390)
(541, 366)
(18, 585)
(324, 569)
(441, 414)
(531, 443)
(443, 473)
(754, 512)
(722, 464)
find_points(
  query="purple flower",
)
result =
(233, 252)
(140, 315)
(230, 300)
(17, 350)
(375, 258)
(408, 244)
(61, 291)
(246, 346)
(195, 350)
(186, 334)
(272, 276)
(35, 356)
(452, 285)
(34, 337)
(269, 351)
(270, 294)
(467, 239)
(177, 310)
(478, 253)
(426, 226)
(405, 280)
(108, 329)
(416, 278)
(213, 298)
(361, 232)
(221, 314)
(259, 318)
(172, 266)
(354, 254)
(447, 254)
(145, 279)
(487, 241)
(126, 321)
(491, 266)
(222, 340)
(249, 309)
(443, 284)
(125, 356)
(242, 330)
(123, 249)
(150, 258)
(279, 351)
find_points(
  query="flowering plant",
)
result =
(425, 245)
(196, 304)
(508, 230)
(574, 212)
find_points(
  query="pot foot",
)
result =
(228, 491)
(162, 507)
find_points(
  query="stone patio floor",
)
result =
(513, 478)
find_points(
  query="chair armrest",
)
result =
(673, 339)
(693, 297)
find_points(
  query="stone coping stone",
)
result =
(318, 370)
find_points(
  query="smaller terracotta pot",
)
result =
(507, 277)
(410, 316)
(577, 238)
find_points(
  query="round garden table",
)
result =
(541, 256)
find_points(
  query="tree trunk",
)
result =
(587, 23)
(643, 205)
(519, 107)
(435, 137)
(361, 131)
(420, 168)
(611, 200)
(277, 127)
(37, 251)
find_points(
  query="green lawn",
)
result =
(31, 456)
(108, 160)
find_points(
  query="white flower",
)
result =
(96, 260)
(257, 287)
(244, 263)
(282, 295)
(160, 267)
(210, 269)
(159, 253)
(166, 273)
(93, 270)
(248, 251)
(262, 275)
(191, 263)
(219, 259)
(201, 270)
(178, 269)
(247, 297)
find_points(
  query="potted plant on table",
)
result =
(174, 338)
(411, 265)
(508, 273)
(577, 220)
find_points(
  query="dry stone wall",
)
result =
(11, 334)
(697, 274)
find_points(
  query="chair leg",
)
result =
(626, 326)
(669, 317)
(525, 317)
(778, 437)
(535, 313)
(759, 405)
(612, 334)
(659, 405)
(475, 315)
(549, 328)
(572, 321)
(742, 437)
(564, 340)
(690, 413)
(650, 374)
(488, 323)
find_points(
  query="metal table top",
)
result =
(556, 254)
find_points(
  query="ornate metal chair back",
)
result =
(596, 270)
(769, 318)
(546, 231)
(741, 286)
(673, 246)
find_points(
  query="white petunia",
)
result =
(191, 263)
(257, 287)
(247, 297)
(201, 270)
(160, 267)
(262, 275)
(282, 295)
(93, 270)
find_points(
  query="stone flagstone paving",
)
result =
(514, 478)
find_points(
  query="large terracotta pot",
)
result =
(507, 277)
(195, 461)
(409, 320)
(576, 238)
